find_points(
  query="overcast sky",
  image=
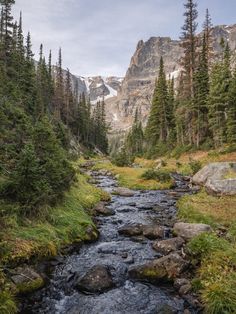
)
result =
(98, 37)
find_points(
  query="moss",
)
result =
(31, 286)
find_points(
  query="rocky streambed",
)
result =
(136, 266)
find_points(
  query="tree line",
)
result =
(199, 109)
(40, 112)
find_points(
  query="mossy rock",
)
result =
(26, 280)
(31, 286)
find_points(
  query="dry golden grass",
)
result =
(202, 207)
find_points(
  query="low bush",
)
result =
(195, 166)
(159, 175)
(123, 159)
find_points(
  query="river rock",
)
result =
(91, 234)
(131, 230)
(101, 209)
(163, 269)
(96, 280)
(153, 232)
(167, 246)
(212, 177)
(124, 192)
(183, 285)
(188, 231)
(26, 279)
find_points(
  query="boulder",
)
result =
(26, 279)
(221, 187)
(96, 280)
(167, 246)
(153, 232)
(188, 231)
(163, 269)
(131, 230)
(213, 178)
(124, 192)
(101, 209)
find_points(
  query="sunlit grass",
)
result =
(132, 177)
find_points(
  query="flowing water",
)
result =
(118, 253)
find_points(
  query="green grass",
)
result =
(216, 277)
(7, 303)
(66, 223)
(132, 177)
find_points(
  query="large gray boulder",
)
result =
(188, 231)
(96, 280)
(124, 192)
(215, 178)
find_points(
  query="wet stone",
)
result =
(97, 280)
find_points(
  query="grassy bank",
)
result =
(132, 178)
(215, 253)
(187, 163)
(24, 239)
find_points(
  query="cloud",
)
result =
(100, 36)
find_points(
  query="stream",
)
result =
(119, 253)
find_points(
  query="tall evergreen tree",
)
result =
(231, 112)
(157, 126)
(134, 143)
(59, 87)
(218, 100)
(189, 44)
(201, 87)
(207, 29)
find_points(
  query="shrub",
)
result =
(195, 166)
(160, 175)
(123, 159)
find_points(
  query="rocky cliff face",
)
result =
(138, 85)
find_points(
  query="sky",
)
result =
(99, 37)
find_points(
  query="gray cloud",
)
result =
(100, 36)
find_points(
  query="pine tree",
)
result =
(59, 88)
(170, 111)
(201, 87)
(189, 44)
(29, 86)
(7, 28)
(231, 112)
(207, 29)
(69, 100)
(188, 62)
(157, 126)
(134, 143)
(218, 100)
